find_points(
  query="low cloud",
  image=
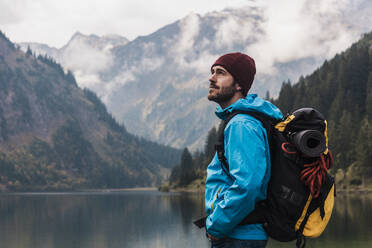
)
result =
(241, 26)
(201, 65)
(80, 55)
(90, 81)
(128, 75)
(307, 28)
(86, 62)
(151, 64)
(110, 88)
(189, 31)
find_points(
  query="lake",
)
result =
(145, 218)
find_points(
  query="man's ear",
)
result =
(237, 87)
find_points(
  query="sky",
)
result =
(53, 22)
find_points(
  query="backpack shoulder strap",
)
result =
(266, 121)
(219, 146)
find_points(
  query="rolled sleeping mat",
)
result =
(310, 142)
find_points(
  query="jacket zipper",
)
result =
(215, 198)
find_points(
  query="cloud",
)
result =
(90, 81)
(53, 21)
(150, 64)
(80, 55)
(183, 47)
(9, 15)
(190, 53)
(128, 75)
(200, 66)
(189, 31)
(86, 61)
(241, 26)
(111, 87)
(306, 28)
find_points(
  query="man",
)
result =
(230, 198)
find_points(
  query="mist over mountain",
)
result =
(85, 55)
(57, 136)
(157, 84)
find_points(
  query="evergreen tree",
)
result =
(363, 150)
(267, 96)
(70, 78)
(337, 105)
(28, 52)
(369, 97)
(340, 138)
(175, 175)
(286, 97)
(209, 144)
(186, 168)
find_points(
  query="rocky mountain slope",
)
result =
(54, 135)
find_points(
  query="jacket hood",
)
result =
(251, 103)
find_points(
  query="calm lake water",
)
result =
(137, 219)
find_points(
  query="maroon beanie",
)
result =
(241, 67)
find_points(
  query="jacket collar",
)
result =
(223, 113)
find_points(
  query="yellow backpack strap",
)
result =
(326, 137)
(282, 125)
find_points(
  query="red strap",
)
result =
(284, 148)
(313, 175)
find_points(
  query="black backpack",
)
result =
(300, 194)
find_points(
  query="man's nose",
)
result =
(212, 78)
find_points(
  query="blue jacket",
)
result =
(228, 201)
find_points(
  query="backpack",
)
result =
(300, 195)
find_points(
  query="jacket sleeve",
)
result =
(247, 156)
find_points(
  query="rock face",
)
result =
(157, 84)
(54, 135)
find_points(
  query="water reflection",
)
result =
(129, 219)
(144, 219)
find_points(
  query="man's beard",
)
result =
(224, 94)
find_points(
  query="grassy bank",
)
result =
(195, 186)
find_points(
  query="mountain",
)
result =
(57, 136)
(164, 76)
(78, 41)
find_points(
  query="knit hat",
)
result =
(241, 67)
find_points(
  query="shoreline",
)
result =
(120, 189)
(79, 191)
(185, 190)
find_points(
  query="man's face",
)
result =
(222, 87)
